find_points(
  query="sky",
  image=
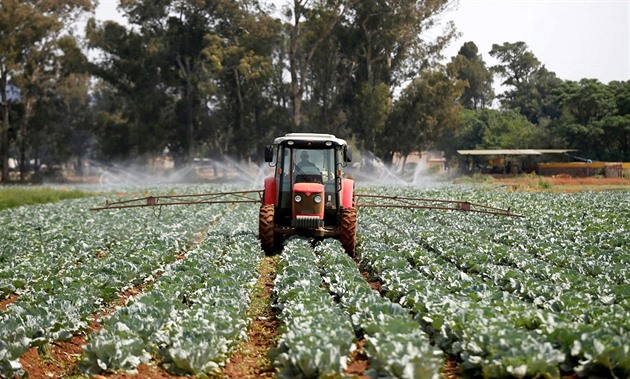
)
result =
(576, 39)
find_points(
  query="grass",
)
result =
(11, 197)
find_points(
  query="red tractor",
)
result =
(309, 194)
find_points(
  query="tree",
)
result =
(244, 76)
(517, 63)
(466, 137)
(588, 119)
(531, 83)
(507, 129)
(21, 27)
(383, 45)
(29, 31)
(469, 67)
(387, 41)
(312, 22)
(426, 112)
(142, 118)
(200, 68)
(371, 107)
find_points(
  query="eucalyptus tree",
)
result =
(159, 65)
(311, 25)
(59, 123)
(530, 83)
(245, 74)
(29, 31)
(73, 100)
(426, 112)
(386, 44)
(389, 40)
(128, 66)
(189, 69)
(517, 63)
(586, 122)
(468, 65)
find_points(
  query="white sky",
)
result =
(576, 39)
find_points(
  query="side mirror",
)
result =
(347, 154)
(269, 153)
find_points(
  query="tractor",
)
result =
(309, 194)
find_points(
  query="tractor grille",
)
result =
(307, 222)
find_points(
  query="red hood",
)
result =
(308, 187)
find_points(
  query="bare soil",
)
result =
(358, 362)
(144, 371)
(251, 358)
(11, 299)
(563, 183)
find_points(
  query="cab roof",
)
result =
(309, 139)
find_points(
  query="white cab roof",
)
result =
(313, 137)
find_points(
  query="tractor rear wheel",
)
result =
(270, 241)
(348, 230)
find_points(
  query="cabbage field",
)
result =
(488, 296)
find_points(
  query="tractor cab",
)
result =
(308, 190)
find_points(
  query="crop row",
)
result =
(395, 344)
(485, 293)
(321, 323)
(195, 313)
(316, 336)
(65, 263)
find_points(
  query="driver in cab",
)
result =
(304, 162)
(306, 170)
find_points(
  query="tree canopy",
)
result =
(220, 78)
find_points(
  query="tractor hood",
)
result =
(308, 188)
(308, 205)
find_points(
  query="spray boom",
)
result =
(235, 197)
(423, 203)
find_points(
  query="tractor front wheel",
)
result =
(348, 232)
(270, 241)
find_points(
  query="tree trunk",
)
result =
(23, 159)
(260, 145)
(404, 162)
(29, 104)
(241, 103)
(4, 134)
(296, 91)
(188, 154)
(190, 127)
(79, 166)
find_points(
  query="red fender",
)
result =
(270, 192)
(347, 193)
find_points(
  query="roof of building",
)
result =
(515, 151)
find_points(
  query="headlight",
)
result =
(317, 199)
(298, 198)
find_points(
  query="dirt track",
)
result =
(563, 183)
